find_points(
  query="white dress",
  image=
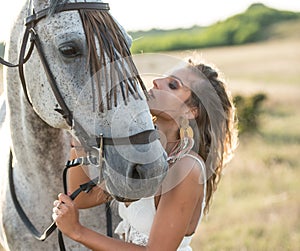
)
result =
(137, 218)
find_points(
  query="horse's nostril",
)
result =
(136, 172)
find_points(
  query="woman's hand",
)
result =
(66, 216)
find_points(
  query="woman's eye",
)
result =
(173, 84)
(69, 51)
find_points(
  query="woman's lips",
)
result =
(151, 93)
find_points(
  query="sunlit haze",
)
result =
(161, 14)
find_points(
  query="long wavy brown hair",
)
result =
(216, 124)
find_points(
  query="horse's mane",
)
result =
(103, 32)
(115, 61)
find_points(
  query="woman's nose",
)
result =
(156, 83)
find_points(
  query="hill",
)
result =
(255, 24)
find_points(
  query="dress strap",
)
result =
(203, 169)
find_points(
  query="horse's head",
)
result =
(85, 82)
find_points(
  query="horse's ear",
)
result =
(42, 4)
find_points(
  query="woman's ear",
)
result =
(193, 112)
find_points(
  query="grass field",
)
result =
(257, 206)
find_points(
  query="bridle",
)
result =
(30, 35)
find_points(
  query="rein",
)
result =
(86, 187)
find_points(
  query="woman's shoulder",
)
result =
(188, 169)
(193, 156)
(189, 162)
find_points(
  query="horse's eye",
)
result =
(69, 51)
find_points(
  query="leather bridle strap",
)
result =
(144, 137)
(8, 64)
(22, 60)
(65, 111)
(89, 141)
(30, 23)
(67, 7)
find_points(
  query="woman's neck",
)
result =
(169, 133)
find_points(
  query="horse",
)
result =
(75, 79)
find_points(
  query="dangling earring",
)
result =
(186, 135)
(154, 118)
(186, 139)
(185, 130)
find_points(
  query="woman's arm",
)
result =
(174, 213)
(182, 191)
(76, 176)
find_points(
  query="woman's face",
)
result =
(170, 94)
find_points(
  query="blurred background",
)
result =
(257, 47)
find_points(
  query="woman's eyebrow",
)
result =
(172, 76)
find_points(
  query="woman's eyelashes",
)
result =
(173, 84)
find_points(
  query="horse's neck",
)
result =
(39, 150)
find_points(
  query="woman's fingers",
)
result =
(61, 206)
(65, 199)
(55, 210)
(54, 216)
(65, 214)
(56, 203)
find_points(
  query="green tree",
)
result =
(248, 111)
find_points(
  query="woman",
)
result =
(195, 116)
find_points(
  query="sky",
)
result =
(161, 14)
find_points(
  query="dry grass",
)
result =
(257, 206)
